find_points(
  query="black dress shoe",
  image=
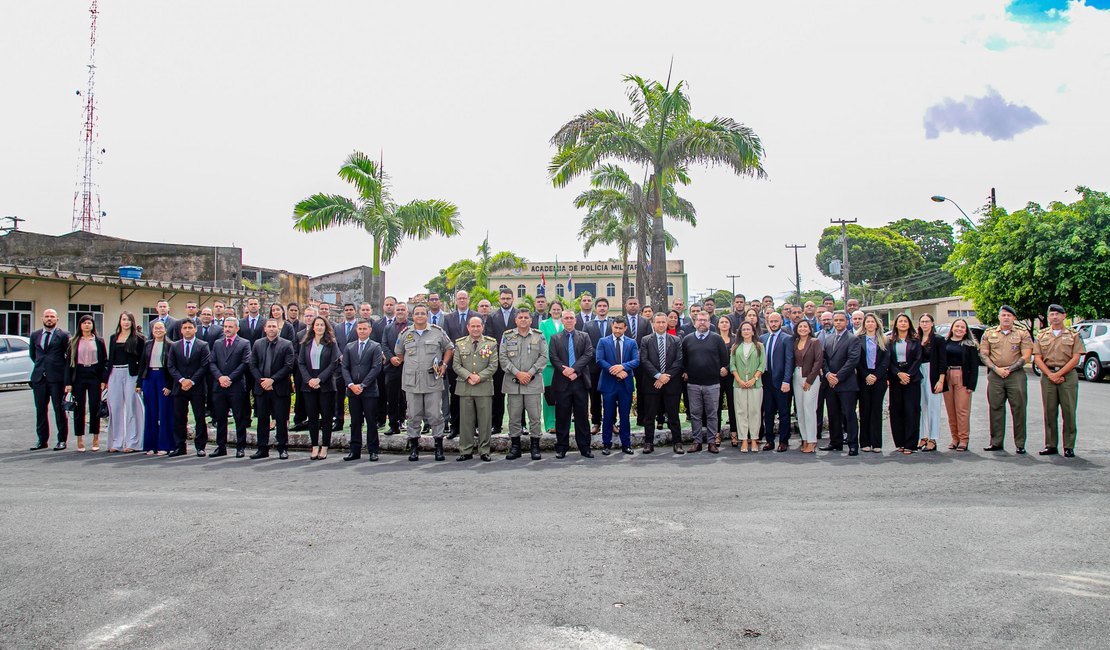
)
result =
(606, 451)
(260, 454)
(495, 430)
(1069, 452)
(452, 435)
(560, 454)
(393, 431)
(426, 429)
(485, 458)
(648, 448)
(218, 452)
(201, 453)
(352, 456)
(832, 448)
(299, 426)
(239, 453)
(60, 446)
(337, 425)
(587, 454)
(1020, 450)
(1048, 451)
(768, 447)
(41, 445)
(465, 457)
(994, 448)
(628, 450)
(283, 455)
(175, 453)
(853, 452)
(679, 449)
(373, 457)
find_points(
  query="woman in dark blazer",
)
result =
(86, 378)
(873, 370)
(905, 384)
(962, 360)
(285, 328)
(125, 406)
(156, 386)
(317, 361)
(934, 367)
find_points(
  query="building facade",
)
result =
(571, 279)
(943, 310)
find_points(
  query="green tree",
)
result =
(438, 284)
(374, 210)
(663, 137)
(877, 255)
(467, 274)
(1035, 257)
(935, 240)
(618, 213)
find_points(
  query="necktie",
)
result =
(252, 324)
(771, 352)
(619, 345)
(389, 322)
(661, 343)
(435, 319)
(268, 361)
(570, 349)
(348, 330)
(475, 344)
(632, 327)
(361, 345)
(227, 344)
(46, 339)
(188, 348)
(203, 333)
(462, 319)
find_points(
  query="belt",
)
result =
(1057, 368)
(122, 366)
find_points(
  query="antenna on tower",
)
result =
(86, 200)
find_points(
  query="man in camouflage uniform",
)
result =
(474, 363)
(425, 352)
(1005, 350)
(1057, 351)
(523, 357)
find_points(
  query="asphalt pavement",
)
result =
(768, 550)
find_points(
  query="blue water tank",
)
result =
(131, 272)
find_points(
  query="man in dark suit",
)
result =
(344, 334)
(776, 382)
(500, 320)
(454, 323)
(250, 328)
(163, 309)
(228, 366)
(272, 360)
(571, 354)
(190, 315)
(736, 316)
(586, 316)
(361, 365)
(661, 382)
(377, 329)
(618, 356)
(397, 402)
(709, 306)
(638, 328)
(842, 350)
(600, 327)
(49, 347)
(207, 329)
(187, 364)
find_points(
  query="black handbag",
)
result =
(68, 403)
(549, 395)
(103, 408)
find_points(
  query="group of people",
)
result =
(458, 372)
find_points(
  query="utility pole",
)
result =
(733, 278)
(844, 266)
(797, 271)
(994, 201)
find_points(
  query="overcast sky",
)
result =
(218, 117)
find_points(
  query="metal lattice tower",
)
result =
(86, 200)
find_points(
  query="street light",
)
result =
(941, 199)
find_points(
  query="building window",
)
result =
(520, 289)
(503, 287)
(76, 311)
(631, 289)
(961, 313)
(670, 289)
(610, 290)
(560, 290)
(149, 314)
(16, 317)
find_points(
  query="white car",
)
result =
(1096, 337)
(15, 360)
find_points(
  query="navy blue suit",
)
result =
(780, 363)
(616, 393)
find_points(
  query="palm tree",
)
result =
(466, 274)
(618, 214)
(662, 136)
(373, 210)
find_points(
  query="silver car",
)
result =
(1096, 337)
(15, 360)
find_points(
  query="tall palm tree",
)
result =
(465, 274)
(661, 135)
(613, 177)
(373, 210)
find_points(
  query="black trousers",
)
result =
(236, 402)
(299, 415)
(871, 413)
(340, 398)
(661, 404)
(272, 405)
(364, 408)
(86, 394)
(595, 399)
(452, 381)
(498, 411)
(194, 398)
(572, 403)
(728, 398)
(843, 423)
(320, 407)
(775, 402)
(905, 413)
(383, 402)
(395, 400)
(46, 392)
(248, 398)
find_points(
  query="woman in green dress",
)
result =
(551, 326)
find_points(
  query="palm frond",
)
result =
(362, 172)
(423, 218)
(322, 211)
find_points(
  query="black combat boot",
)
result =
(439, 449)
(414, 448)
(514, 448)
(536, 449)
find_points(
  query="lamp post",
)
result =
(941, 199)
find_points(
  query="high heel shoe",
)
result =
(735, 439)
(921, 444)
(315, 454)
(743, 447)
(323, 453)
(931, 445)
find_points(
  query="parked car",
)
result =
(1096, 337)
(15, 360)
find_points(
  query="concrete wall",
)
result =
(351, 285)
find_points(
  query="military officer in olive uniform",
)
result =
(1057, 351)
(425, 351)
(523, 356)
(1005, 350)
(474, 363)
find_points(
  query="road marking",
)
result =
(111, 633)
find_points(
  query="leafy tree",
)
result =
(661, 136)
(467, 274)
(438, 284)
(877, 255)
(1035, 257)
(935, 239)
(374, 210)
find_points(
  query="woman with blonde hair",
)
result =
(874, 361)
(961, 352)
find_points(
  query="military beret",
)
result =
(1009, 309)
(1057, 308)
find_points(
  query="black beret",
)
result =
(1057, 308)
(1008, 308)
